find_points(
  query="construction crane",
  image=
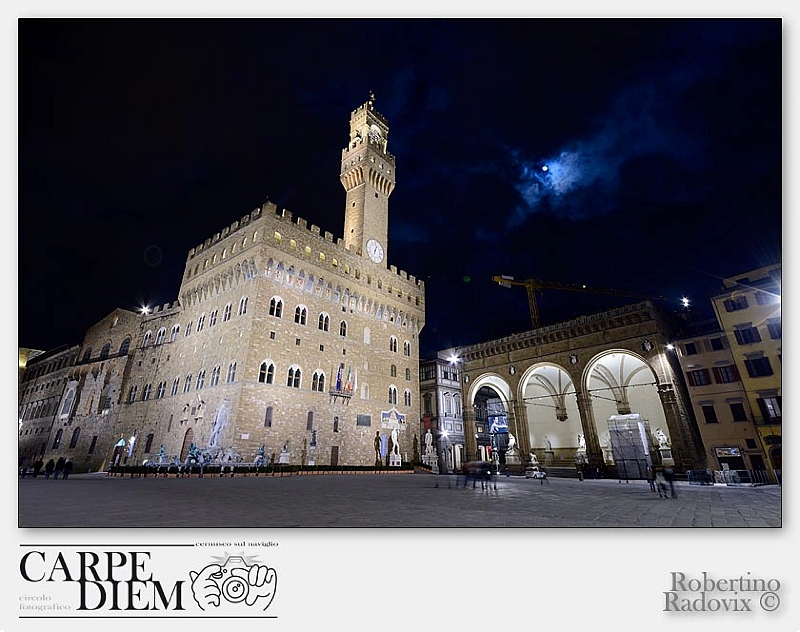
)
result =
(532, 285)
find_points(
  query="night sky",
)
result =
(140, 138)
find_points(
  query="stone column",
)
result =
(521, 430)
(470, 444)
(685, 450)
(594, 453)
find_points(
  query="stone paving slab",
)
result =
(416, 500)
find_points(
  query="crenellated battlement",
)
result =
(294, 229)
(368, 107)
(228, 230)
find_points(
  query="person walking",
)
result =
(59, 467)
(37, 467)
(651, 477)
(48, 468)
(67, 469)
(669, 476)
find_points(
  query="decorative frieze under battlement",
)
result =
(296, 237)
(584, 325)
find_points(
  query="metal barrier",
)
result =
(743, 477)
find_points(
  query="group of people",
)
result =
(662, 480)
(60, 468)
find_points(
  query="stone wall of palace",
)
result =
(196, 369)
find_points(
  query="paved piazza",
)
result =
(390, 500)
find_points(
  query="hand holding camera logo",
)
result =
(236, 582)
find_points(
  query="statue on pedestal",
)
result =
(377, 444)
(394, 452)
(428, 442)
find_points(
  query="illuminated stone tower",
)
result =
(368, 177)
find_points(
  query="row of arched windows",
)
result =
(393, 396)
(106, 350)
(36, 410)
(294, 377)
(73, 440)
(188, 383)
(33, 372)
(161, 334)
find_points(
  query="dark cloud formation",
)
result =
(661, 139)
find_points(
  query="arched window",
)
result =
(318, 382)
(393, 370)
(392, 395)
(146, 392)
(268, 417)
(407, 397)
(148, 337)
(266, 373)
(212, 319)
(407, 349)
(87, 355)
(276, 307)
(293, 378)
(324, 322)
(123, 348)
(175, 386)
(132, 394)
(201, 322)
(310, 420)
(105, 351)
(231, 373)
(74, 440)
(448, 407)
(66, 407)
(173, 336)
(242, 306)
(226, 314)
(343, 329)
(201, 380)
(393, 344)
(215, 375)
(162, 333)
(408, 374)
(162, 388)
(57, 440)
(187, 384)
(300, 315)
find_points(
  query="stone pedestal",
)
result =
(548, 457)
(284, 457)
(395, 460)
(312, 455)
(432, 461)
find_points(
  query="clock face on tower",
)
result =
(375, 251)
(374, 133)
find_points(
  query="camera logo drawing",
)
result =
(234, 582)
